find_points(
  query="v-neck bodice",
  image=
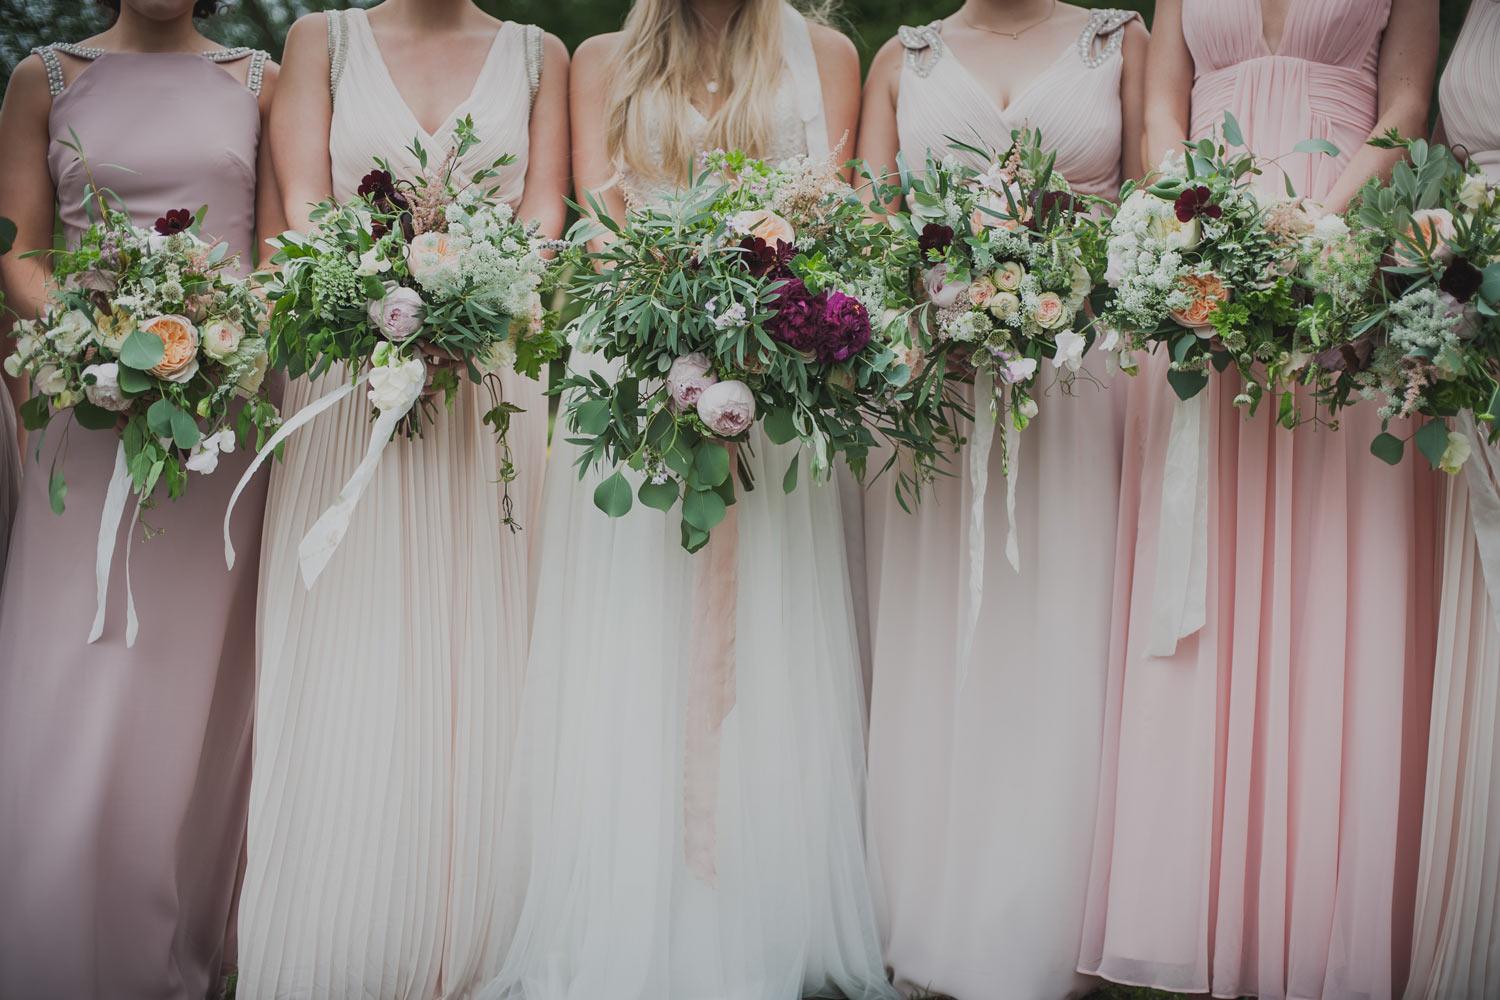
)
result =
(372, 119)
(1074, 102)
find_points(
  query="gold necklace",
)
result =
(1011, 34)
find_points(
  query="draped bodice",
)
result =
(1074, 104)
(159, 131)
(371, 119)
(798, 125)
(1319, 83)
(1470, 90)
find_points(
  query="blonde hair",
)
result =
(661, 60)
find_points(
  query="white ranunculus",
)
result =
(105, 392)
(1028, 408)
(1456, 454)
(395, 387)
(71, 332)
(221, 338)
(49, 380)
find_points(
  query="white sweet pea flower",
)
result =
(371, 263)
(204, 456)
(1070, 348)
(1456, 454)
(71, 332)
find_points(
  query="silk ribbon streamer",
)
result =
(979, 475)
(304, 416)
(116, 494)
(1484, 508)
(323, 538)
(1180, 604)
(711, 690)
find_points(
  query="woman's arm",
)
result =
(1167, 105)
(1133, 160)
(270, 219)
(27, 197)
(1408, 60)
(838, 71)
(547, 167)
(593, 171)
(300, 118)
(879, 138)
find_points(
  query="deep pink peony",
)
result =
(845, 329)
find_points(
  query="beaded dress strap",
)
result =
(1101, 37)
(533, 60)
(338, 48)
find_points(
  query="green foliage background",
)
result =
(263, 23)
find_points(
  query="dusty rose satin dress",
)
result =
(982, 797)
(1456, 940)
(1261, 789)
(124, 772)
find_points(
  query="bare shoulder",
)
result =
(832, 46)
(887, 61)
(554, 52)
(307, 30)
(600, 49)
(269, 74)
(1136, 34)
(28, 93)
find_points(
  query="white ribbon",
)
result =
(979, 473)
(1484, 509)
(115, 496)
(322, 540)
(304, 417)
(1180, 605)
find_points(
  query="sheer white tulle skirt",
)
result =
(594, 824)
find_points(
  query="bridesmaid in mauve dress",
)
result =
(1456, 946)
(387, 696)
(982, 791)
(124, 771)
(1261, 787)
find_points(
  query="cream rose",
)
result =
(728, 408)
(981, 291)
(940, 291)
(104, 391)
(221, 338)
(1051, 312)
(765, 224)
(1005, 306)
(1008, 276)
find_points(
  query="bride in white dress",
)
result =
(595, 818)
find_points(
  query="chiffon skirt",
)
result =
(982, 792)
(595, 820)
(386, 711)
(1456, 951)
(1261, 789)
(124, 770)
(10, 476)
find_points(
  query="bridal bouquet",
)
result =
(147, 334)
(757, 296)
(1005, 261)
(1433, 346)
(1218, 275)
(417, 283)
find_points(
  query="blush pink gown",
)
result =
(1261, 789)
(1456, 942)
(982, 797)
(124, 771)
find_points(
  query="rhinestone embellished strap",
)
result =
(257, 71)
(1103, 25)
(533, 60)
(923, 45)
(53, 65)
(338, 48)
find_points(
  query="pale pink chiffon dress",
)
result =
(387, 695)
(123, 772)
(982, 796)
(1456, 943)
(1261, 789)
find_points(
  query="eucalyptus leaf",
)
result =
(1316, 146)
(1388, 448)
(660, 496)
(703, 509)
(141, 351)
(1187, 384)
(1432, 441)
(789, 481)
(57, 491)
(95, 418)
(613, 495)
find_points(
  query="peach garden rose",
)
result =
(179, 341)
(1207, 292)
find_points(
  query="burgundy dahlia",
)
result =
(1194, 202)
(178, 220)
(935, 237)
(845, 329)
(765, 259)
(1461, 280)
(799, 313)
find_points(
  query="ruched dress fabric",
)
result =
(982, 792)
(388, 693)
(1261, 789)
(124, 771)
(1456, 943)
